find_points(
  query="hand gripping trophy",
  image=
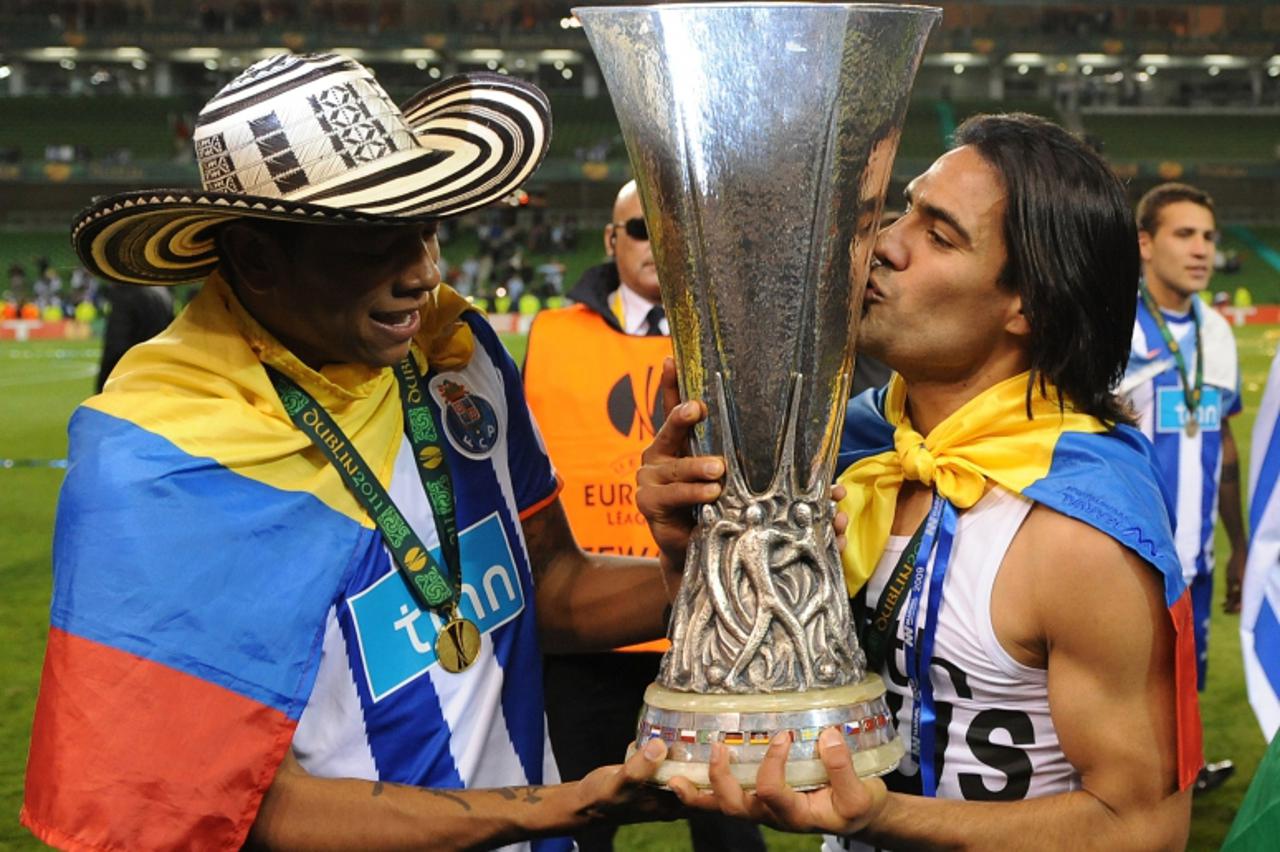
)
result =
(761, 136)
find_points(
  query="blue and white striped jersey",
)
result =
(1190, 464)
(382, 707)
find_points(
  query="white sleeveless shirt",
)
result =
(995, 738)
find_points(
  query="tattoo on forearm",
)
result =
(444, 794)
(456, 800)
(529, 795)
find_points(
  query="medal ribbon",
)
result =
(426, 579)
(1190, 392)
(876, 631)
(939, 529)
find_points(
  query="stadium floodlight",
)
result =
(1225, 60)
(1272, 70)
(958, 68)
(419, 54)
(356, 53)
(1154, 59)
(480, 55)
(5, 71)
(1214, 70)
(123, 53)
(1097, 60)
(559, 57)
(196, 54)
(1086, 70)
(52, 54)
(1025, 59)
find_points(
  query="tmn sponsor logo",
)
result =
(397, 639)
(1172, 413)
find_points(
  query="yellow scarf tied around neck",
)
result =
(988, 439)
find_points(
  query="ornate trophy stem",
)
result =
(761, 136)
(753, 612)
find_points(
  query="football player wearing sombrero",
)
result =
(298, 543)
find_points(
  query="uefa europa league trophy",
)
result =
(761, 136)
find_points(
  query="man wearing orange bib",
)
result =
(592, 374)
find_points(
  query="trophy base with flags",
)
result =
(746, 724)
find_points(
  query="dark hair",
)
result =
(1073, 256)
(1162, 196)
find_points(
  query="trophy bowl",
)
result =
(761, 137)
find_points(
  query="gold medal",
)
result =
(1192, 427)
(458, 644)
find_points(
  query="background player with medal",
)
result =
(1183, 381)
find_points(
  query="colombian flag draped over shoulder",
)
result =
(1260, 613)
(200, 542)
(1066, 460)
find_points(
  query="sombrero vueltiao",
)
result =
(314, 138)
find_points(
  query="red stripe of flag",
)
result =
(127, 753)
(1187, 709)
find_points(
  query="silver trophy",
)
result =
(761, 136)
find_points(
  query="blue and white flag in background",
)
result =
(1260, 615)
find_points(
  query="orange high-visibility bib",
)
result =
(595, 394)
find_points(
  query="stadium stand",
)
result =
(1139, 135)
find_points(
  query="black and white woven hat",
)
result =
(314, 138)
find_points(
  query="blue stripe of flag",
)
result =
(1268, 474)
(1108, 481)
(1266, 644)
(866, 432)
(193, 566)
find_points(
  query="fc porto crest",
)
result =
(469, 419)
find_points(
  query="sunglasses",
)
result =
(635, 228)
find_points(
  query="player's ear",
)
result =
(256, 258)
(610, 239)
(1016, 321)
(1144, 246)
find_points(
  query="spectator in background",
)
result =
(136, 314)
(84, 286)
(18, 281)
(48, 285)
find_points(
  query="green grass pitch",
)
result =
(42, 382)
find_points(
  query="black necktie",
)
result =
(654, 319)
